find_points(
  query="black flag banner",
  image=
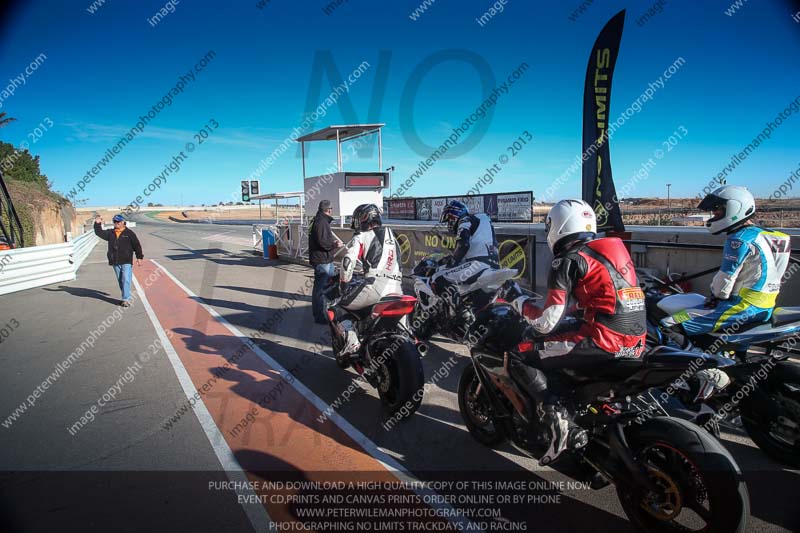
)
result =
(598, 184)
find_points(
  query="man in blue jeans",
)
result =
(122, 244)
(322, 246)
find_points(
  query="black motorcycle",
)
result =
(763, 396)
(388, 357)
(670, 475)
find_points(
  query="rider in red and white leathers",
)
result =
(376, 247)
(598, 275)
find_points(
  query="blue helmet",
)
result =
(118, 218)
(452, 213)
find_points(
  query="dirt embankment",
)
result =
(46, 217)
(217, 213)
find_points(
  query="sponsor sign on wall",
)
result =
(473, 203)
(514, 207)
(437, 204)
(424, 209)
(506, 207)
(404, 209)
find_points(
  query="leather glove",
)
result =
(519, 304)
(509, 291)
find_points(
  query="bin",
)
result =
(268, 240)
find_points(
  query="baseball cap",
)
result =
(118, 218)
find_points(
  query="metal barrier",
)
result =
(257, 234)
(82, 246)
(36, 266)
(291, 240)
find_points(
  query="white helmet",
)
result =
(736, 203)
(569, 217)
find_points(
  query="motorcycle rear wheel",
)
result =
(700, 486)
(764, 427)
(402, 379)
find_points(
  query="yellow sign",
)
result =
(514, 257)
(405, 248)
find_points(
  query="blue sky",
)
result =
(104, 69)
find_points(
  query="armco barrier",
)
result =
(26, 268)
(82, 246)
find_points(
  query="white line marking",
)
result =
(255, 511)
(392, 465)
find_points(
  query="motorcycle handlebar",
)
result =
(686, 277)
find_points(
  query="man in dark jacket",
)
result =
(322, 245)
(122, 243)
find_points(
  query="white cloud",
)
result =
(252, 138)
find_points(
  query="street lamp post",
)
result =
(390, 169)
(669, 206)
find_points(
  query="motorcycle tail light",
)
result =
(400, 307)
(526, 346)
(330, 315)
(609, 410)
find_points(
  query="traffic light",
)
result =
(254, 187)
(245, 191)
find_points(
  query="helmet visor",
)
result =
(715, 205)
(713, 202)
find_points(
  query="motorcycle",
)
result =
(669, 474)
(434, 314)
(387, 357)
(763, 396)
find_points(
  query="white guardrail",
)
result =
(26, 268)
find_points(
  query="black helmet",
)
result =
(354, 222)
(452, 213)
(365, 216)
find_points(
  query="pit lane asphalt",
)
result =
(217, 264)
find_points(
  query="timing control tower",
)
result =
(346, 190)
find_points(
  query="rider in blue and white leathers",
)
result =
(476, 251)
(753, 263)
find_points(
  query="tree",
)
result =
(149, 204)
(20, 165)
(4, 120)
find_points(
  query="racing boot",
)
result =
(564, 434)
(710, 381)
(461, 311)
(348, 334)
